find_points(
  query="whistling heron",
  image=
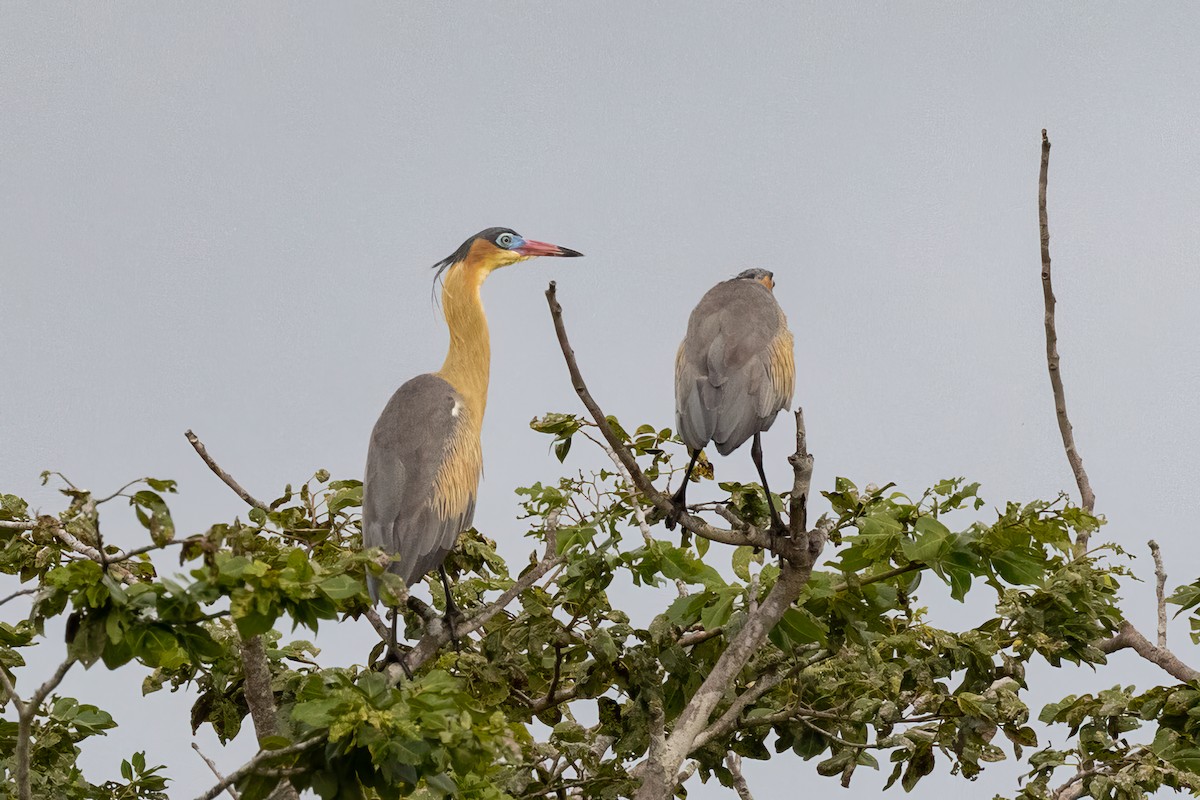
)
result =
(734, 372)
(425, 460)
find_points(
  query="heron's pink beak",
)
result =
(535, 248)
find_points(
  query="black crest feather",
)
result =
(465, 247)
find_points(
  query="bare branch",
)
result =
(734, 762)
(1129, 637)
(217, 773)
(1160, 592)
(18, 524)
(20, 593)
(253, 765)
(802, 466)
(1052, 357)
(225, 477)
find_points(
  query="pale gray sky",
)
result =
(221, 216)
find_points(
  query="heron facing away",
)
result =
(424, 460)
(734, 372)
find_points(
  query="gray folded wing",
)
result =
(408, 446)
(734, 369)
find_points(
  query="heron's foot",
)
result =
(679, 508)
(394, 654)
(452, 619)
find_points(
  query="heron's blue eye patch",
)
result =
(507, 240)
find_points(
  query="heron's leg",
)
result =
(679, 499)
(453, 615)
(392, 654)
(756, 454)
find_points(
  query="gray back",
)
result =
(408, 447)
(734, 370)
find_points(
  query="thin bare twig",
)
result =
(216, 772)
(1160, 592)
(20, 593)
(734, 763)
(638, 512)
(1052, 357)
(1127, 636)
(257, 670)
(225, 477)
(252, 766)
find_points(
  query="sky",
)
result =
(221, 216)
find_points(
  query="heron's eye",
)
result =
(505, 240)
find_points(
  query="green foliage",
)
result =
(855, 675)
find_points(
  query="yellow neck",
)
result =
(469, 360)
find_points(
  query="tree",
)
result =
(780, 655)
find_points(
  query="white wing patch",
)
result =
(458, 407)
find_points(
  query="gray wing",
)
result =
(408, 447)
(733, 372)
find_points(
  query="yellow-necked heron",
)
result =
(424, 460)
(734, 372)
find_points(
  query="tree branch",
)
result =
(216, 772)
(1129, 637)
(1052, 357)
(252, 766)
(26, 711)
(225, 477)
(257, 670)
(436, 638)
(18, 524)
(1160, 588)
(658, 774)
(20, 593)
(734, 762)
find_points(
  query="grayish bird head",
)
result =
(763, 276)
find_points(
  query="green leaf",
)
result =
(342, 587)
(798, 626)
(715, 615)
(1020, 566)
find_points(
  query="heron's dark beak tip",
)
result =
(568, 252)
